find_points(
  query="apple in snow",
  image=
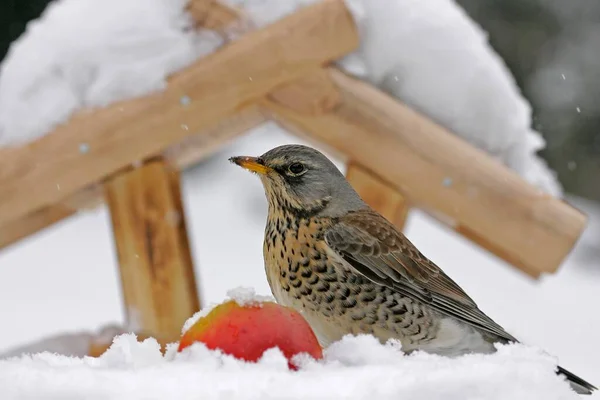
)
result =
(247, 331)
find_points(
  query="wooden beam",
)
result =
(157, 274)
(129, 131)
(21, 228)
(435, 169)
(181, 155)
(387, 200)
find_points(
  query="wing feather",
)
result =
(377, 250)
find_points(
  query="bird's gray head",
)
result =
(301, 180)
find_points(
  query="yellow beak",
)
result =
(251, 164)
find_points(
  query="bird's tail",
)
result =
(578, 384)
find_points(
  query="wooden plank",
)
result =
(439, 171)
(21, 228)
(182, 155)
(215, 87)
(498, 250)
(14, 231)
(378, 194)
(157, 274)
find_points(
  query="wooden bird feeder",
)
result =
(396, 158)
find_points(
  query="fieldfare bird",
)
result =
(350, 271)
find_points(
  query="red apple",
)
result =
(246, 331)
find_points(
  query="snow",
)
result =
(91, 53)
(246, 296)
(243, 296)
(430, 55)
(65, 279)
(353, 368)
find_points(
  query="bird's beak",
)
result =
(252, 164)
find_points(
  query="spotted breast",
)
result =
(304, 274)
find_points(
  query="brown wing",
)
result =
(377, 250)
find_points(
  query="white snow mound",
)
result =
(246, 296)
(353, 368)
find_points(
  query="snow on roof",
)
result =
(91, 53)
(429, 54)
(353, 368)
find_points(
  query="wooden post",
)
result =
(378, 194)
(157, 274)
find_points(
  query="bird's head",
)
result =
(301, 180)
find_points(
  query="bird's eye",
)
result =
(297, 168)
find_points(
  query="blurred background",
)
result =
(539, 40)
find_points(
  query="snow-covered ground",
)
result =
(353, 368)
(65, 279)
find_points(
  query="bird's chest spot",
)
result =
(297, 266)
